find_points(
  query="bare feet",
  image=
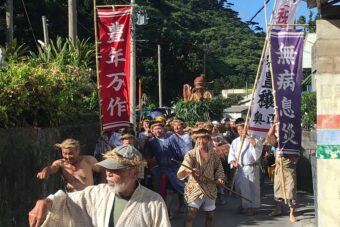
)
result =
(292, 218)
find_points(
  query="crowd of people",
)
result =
(142, 174)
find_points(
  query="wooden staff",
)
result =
(275, 108)
(254, 87)
(140, 102)
(211, 180)
(249, 108)
(97, 63)
(273, 91)
(282, 25)
(113, 6)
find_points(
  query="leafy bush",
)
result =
(192, 111)
(48, 88)
(308, 110)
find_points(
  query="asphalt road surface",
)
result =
(225, 215)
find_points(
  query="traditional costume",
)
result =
(197, 186)
(247, 179)
(288, 163)
(163, 150)
(184, 142)
(115, 139)
(289, 174)
(100, 206)
(94, 205)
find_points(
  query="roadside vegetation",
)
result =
(49, 88)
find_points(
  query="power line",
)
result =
(29, 22)
(81, 25)
(248, 22)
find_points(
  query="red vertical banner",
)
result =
(114, 67)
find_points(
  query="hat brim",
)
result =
(156, 124)
(124, 137)
(111, 164)
(240, 124)
(195, 136)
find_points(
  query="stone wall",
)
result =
(24, 152)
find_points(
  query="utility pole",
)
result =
(204, 58)
(45, 30)
(133, 69)
(9, 21)
(159, 76)
(72, 20)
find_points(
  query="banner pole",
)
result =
(283, 25)
(110, 6)
(268, 26)
(253, 92)
(140, 103)
(133, 69)
(249, 108)
(275, 108)
(97, 63)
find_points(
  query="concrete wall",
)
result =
(326, 63)
(304, 166)
(24, 152)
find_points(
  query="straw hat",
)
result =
(68, 143)
(160, 118)
(156, 123)
(122, 157)
(200, 133)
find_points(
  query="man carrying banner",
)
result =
(284, 178)
(286, 70)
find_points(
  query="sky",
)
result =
(248, 8)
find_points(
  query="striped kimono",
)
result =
(198, 187)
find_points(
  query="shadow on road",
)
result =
(225, 215)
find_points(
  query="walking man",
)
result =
(247, 162)
(285, 176)
(200, 193)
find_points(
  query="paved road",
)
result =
(225, 216)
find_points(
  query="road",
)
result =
(225, 215)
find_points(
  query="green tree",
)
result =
(308, 110)
(186, 30)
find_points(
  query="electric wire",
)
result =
(80, 24)
(29, 22)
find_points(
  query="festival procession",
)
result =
(171, 113)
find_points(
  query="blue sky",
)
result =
(248, 8)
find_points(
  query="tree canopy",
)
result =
(186, 30)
